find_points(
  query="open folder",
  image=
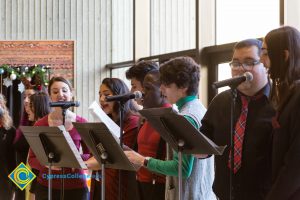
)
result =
(99, 139)
(58, 141)
(174, 127)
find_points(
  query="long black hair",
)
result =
(118, 87)
(284, 71)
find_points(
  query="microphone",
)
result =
(125, 97)
(233, 82)
(65, 104)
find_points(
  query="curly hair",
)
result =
(5, 118)
(183, 71)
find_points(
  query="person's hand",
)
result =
(135, 158)
(200, 156)
(92, 164)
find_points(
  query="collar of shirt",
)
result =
(265, 91)
(184, 100)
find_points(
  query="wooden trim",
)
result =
(281, 12)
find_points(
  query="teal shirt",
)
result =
(170, 167)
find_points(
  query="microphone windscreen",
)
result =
(249, 76)
(77, 103)
(138, 94)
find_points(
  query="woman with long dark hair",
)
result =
(110, 87)
(38, 108)
(281, 55)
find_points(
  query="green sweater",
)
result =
(170, 167)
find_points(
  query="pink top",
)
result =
(69, 183)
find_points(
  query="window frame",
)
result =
(210, 57)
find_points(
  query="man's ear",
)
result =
(286, 55)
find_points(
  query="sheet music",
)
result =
(73, 147)
(101, 116)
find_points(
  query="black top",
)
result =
(286, 151)
(253, 180)
(7, 161)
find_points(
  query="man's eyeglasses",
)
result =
(246, 65)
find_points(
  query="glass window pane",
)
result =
(292, 13)
(242, 19)
(224, 72)
(121, 74)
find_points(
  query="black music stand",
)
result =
(105, 147)
(181, 135)
(53, 145)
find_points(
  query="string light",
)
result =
(27, 72)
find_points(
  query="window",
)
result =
(238, 20)
(292, 14)
(225, 73)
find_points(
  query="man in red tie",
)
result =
(252, 129)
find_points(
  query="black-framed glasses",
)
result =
(246, 65)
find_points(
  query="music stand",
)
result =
(53, 145)
(105, 147)
(181, 135)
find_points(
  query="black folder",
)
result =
(60, 143)
(174, 127)
(98, 138)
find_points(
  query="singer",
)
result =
(281, 55)
(20, 143)
(136, 74)
(38, 108)
(60, 90)
(179, 78)
(252, 128)
(7, 155)
(115, 86)
(149, 143)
